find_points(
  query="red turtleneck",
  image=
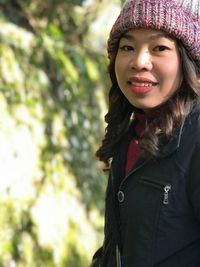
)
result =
(134, 149)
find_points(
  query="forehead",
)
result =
(146, 34)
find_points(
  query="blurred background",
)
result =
(53, 98)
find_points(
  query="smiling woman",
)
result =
(148, 67)
(152, 139)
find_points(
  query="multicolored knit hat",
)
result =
(180, 18)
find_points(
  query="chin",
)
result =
(147, 106)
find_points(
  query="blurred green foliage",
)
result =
(52, 101)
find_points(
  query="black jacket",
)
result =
(156, 208)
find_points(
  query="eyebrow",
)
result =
(151, 37)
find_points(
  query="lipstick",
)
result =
(141, 85)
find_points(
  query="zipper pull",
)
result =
(167, 188)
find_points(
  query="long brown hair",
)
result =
(120, 111)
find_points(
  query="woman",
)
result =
(152, 141)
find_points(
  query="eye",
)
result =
(126, 48)
(160, 48)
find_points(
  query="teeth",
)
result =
(142, 84)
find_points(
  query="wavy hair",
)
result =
(120, 112)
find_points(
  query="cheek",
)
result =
(120, 66)
(170, 70)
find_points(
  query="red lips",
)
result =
(141, 85)
(141, 80)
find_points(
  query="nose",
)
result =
(141, 60)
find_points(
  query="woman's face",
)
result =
(148, 67)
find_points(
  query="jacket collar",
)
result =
(173, 144)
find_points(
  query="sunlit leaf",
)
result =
(92, 70)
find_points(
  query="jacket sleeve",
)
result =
(105, 255)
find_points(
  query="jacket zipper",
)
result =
(167, 188)
(118, 254)
(118, 257)
(158, 185)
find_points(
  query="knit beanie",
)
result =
(179, 18)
